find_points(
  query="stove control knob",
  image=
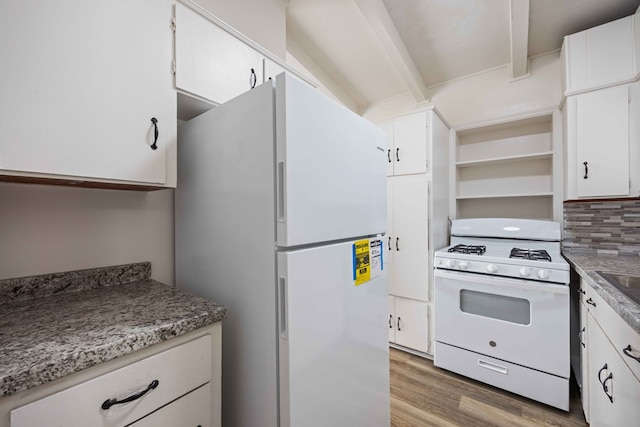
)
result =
(525, 271)
(450, 263)
(543, 274)
(492, 268)
(463, 265)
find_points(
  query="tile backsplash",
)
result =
(607, 227)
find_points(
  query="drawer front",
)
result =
(177, 370)
(617, 330)
(194, 409)
(526, 382)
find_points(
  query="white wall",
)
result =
(46, 229)
(485, 96)
(263, 21)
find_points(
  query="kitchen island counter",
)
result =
(587, 263)
(59, 324)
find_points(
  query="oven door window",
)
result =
(501, 307)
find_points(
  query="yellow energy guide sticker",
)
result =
(361, 262)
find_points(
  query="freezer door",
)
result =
(331, 168)
(333, 340)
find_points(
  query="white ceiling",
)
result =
(371, 50)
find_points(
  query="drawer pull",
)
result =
(627, 352)
(590, 301)
(492, 367)
(580, 337)
(110, 402)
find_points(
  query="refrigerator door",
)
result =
(330, 167)
(333, 339)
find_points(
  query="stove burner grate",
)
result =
(532, 254)
(468, 249)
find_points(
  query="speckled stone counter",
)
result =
(587, 263)
(58, 324)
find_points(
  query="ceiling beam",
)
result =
(378, 18)
(519, 22)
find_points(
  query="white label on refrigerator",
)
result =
(367, 260)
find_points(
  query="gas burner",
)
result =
(468, 249)
(532, 254)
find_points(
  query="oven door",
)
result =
(519, 321)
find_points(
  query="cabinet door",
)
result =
(584, 359)
(412, 324)
(603, 142)
(210, 62)
(193, 409)
(410, 144)
(618, 404)
(410, 239)
(599, 56)
(81, 82)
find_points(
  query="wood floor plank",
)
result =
(424, 395)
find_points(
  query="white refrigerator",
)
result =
(280, 210)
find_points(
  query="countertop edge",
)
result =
(628, 310)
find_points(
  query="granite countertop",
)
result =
(586, 264)
(55, 325)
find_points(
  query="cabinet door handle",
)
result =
(390, 321)
(397, 241)
(586, 170)
(389, 242)
(154, 146)
(253, 79)
(110, 402)
(397, 154)
(389, 155)
(580, 291)
(398, 324)
(604, 383)
(627, 352)
(580, 337)
(590, 301)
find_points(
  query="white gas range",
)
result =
(502, 307)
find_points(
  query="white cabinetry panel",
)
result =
(409, 242)
(81, 405)
(80, 83)
(190, 410)
(602, 141)
(599, 56)
(411, 323)
(210, 62)
(614, 392)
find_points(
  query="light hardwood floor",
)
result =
(423, 395)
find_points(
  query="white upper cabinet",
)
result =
(81, 82)
(211, 63)
(407, 144)
(602, 148)
(599, 56)
(602, 143)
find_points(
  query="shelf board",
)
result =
(506, 159)
(504, 196)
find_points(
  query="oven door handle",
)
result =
(502, 282)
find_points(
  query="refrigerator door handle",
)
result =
(282, 305)
(280, 190)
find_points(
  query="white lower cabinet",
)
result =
(190, 410)
(409, 323)
(614, 392)
(583, 339)
(173, 383)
